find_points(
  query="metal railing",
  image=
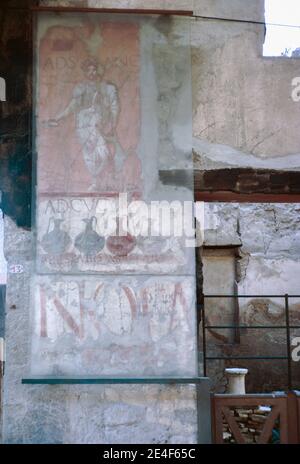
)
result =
(287, 327)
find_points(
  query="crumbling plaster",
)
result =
(116, 414)
(234, 120)
(243, 111)
(244, 115)
(71, 414)
(267, 237)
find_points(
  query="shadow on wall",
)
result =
(15, 113)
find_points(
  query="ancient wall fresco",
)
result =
(73, 237)
(129, 326)
(88, 107)
(113, 108)
(110, 115)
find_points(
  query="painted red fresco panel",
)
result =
(89, 108)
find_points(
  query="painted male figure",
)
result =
(96, 106)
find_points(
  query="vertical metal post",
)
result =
(204, 412)
(204, 337)
(237, 334)
(288, 341)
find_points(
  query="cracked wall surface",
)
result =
(81, 311)
(268, 263)
(244, 113)
(243, 116)
(85, 414)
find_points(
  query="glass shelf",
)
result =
(76, 380)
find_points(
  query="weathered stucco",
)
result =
(268, 263)
(72, 414)
(243, 106)
(3, 265)
(95, 317)
(243, 116)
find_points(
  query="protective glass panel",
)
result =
(113, 127)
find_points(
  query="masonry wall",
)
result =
(120, 315)
(243, 116)
(266, 240)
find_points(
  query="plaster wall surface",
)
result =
(3, 278)
(3, 265)
(243, 116)
(231, 9)
(81, 414)
(268, 264)
(92, 320)
(219, 274)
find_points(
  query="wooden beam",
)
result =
(234, 197)
(247, 185)
(139, 11)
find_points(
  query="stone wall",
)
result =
(243, 116)
(268, 263)
(246, 142)
(251, 422)
(85, 312)
(3, 265)
(237, 122)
